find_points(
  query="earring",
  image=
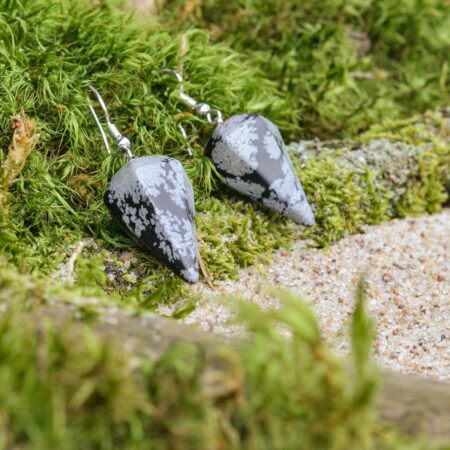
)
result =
(250, 155)
(152, 199)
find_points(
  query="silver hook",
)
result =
(122, 142)
(204, 110)
(176, 74)
(186, 138)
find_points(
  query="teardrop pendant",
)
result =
(249, 152)
(152, 199)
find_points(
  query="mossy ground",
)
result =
(341, 65)
(53, 50)
(67, 386)
(58, 199)
(312, 79)
(408, 175)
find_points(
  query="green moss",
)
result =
(427, 192)
(66, 386)
(54, 49)
(427, 186)
(396, 169)
(344, 199)
(342, 65)
(247, 237)
(58, 199)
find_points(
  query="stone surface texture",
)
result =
(152, 198)
(250, 154)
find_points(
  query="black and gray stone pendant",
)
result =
(152, 198)
(249, 152)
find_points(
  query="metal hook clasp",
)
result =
(186, 138)
(204, 110)
(122, 142)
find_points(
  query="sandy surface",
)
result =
(408, 267)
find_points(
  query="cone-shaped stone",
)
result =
(152, 198)
(250, 154)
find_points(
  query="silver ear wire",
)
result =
(204, 110)
(186, 138)
(176, 74)
(122, 142)
(97, 121)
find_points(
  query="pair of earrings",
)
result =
(152, 198)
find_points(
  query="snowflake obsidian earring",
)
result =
(249, 152)
(152, 199)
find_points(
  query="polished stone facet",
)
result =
(250, 154)
(152, 198)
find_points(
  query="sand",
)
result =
(407, 263)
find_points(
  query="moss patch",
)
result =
(55, 49)
(67, 386)
(57, 201)
(392, 171)
(343, 66)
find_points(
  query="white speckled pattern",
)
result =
(249, 153)
(153, 198)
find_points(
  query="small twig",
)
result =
(362, 75)
(141, 6)
(184, 47)
(67, 270)
(377, 75)
(205, 272)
